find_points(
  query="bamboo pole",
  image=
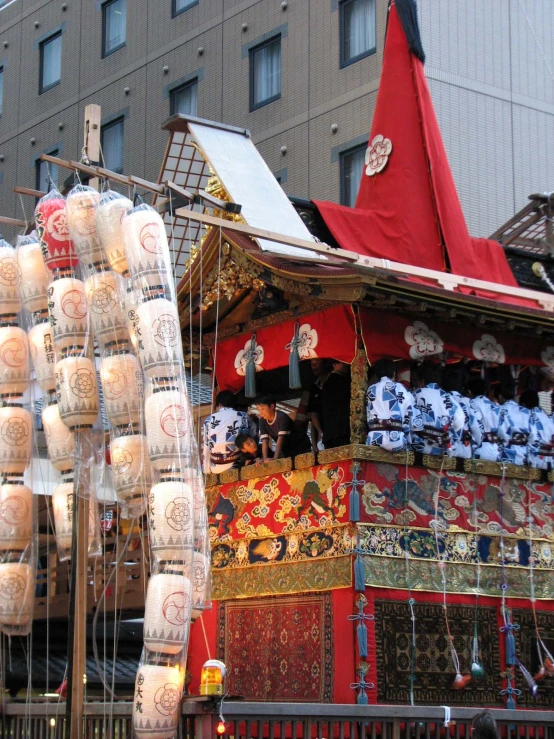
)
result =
(77, 636)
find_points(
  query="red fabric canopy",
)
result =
(408, 208)
(389, 335)
(330, 333)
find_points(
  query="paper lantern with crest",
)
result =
(67, 305)
(17, 589)
(106, 311)
(199, 575)
(167, 613)
(14, 360)
(122, 385)
(157, 700)
(146, 247)
(53, 232)
(62, 507)
(109, 219)
(77, 389)
(171, 519)
(60, 441)
(16, 427)
(131, 470)
(41, 345)
(159, 336)
(34, 278)
(9, 296)
(80, 210)
(168, 425)
(16, 516)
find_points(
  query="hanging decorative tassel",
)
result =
(250, 371)
(362, 686)
(477, 670)
(355, 494)
(359, 574)
(532, 685)
(508, 631)
(460, 681)
(294, 359)
(361, 633)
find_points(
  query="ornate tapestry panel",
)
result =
(406, 497)
(526, 641)
(434, 673)
(291, 577)
(278, 649)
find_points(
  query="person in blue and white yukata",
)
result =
(390, 409)
(220, 431)
(472, 433)
(515, 426)
(490, 446)
(540, 449)
(442, 418)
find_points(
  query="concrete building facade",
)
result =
(302, 75)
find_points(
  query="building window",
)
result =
(184, 99)
(111, 139)
(351, 169)
(1, 90)
(179, 6)
(357, 30)
(114, 26)
(43, 170)
(265, 73)
(50, 62)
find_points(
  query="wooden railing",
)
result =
(126, 589)
(277, 721)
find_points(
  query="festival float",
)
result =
(349, 575)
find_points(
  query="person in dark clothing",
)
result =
(335, 406)
(249, 449)
(321, 369)
(278, 427)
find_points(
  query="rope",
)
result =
(205, 637)
(539, 47)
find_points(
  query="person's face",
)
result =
(340, 367)
(266, 411)
(317, 366)
(250, 446)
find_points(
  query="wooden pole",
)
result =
(77, 636)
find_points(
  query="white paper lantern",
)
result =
(17, 585)
(9, 296)
(106, 312)
(168, 427)
(16, 427)
(34, 277)
(77, 391)
(200, 578)
(41, 345)
(14, 360)
(60, 441)
(109, 217)
(157, 701)
(171, 519)
(62, 506)
(67, 304)
(80, 211)
(131, 470)
(146, 247)
(167, 613)
(16, 516)
(122, 385)
(159, 337)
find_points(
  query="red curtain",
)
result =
(329, 333)
(397, 337)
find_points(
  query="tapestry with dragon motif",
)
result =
(417, 518)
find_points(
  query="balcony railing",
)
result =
(278, 721)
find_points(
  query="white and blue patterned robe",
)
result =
(472, 433)
(442, 420)
(514, 430)
(218, 439)
(541, 440)
(389, 415)
(490, 447)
